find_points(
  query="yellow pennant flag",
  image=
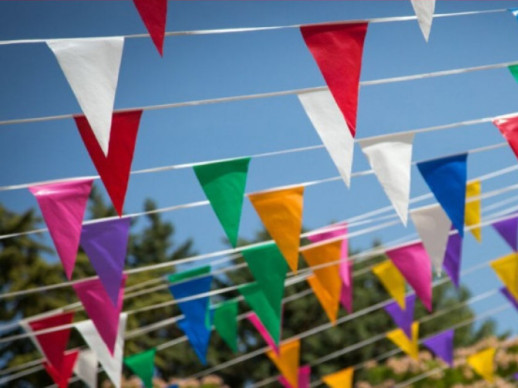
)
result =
(473, 209)
(507, 270)
(341, 379)
(410, 347)
(281, 213)
(482, 363)
(329, 303)
(287, 361)
(392, 280)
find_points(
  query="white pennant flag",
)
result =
(433, 226)
(86, 368)
(91, 67)
(330, 124)
(112, 365)
(391, 159)
(424, 10)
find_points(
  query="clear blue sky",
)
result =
(199, 67)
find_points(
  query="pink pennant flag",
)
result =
(62, 374)
(304, 378)
(254, 319)
(63, 208)
(154, 16)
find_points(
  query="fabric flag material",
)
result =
(507, 270)
(340, 379)
(509, 297)
(508, 229)
(224, 185)
(514, 11)
(483, 363)
(154, 16)
(403, 317)
(63, 208)
(446, 178)
(143, 364)
(225, 322)
(392, 280)
(414, 264)
(508, 127)
(331, 127)
(452, 258)
(433, 226)
(113, 167)
(391, 160)
(281, 213)
(198, 336)
(86, 367)
(329, 303)
(424, 10)
(337, 50)
(513, 69)
(91, 67)
(62, 374)
(409, 346)
(287, 361)
(473, 209)
(256, 322)
(111, 363)
(304, 378)
(105, 244)
(441, 345)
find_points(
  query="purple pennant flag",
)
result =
(508, 229)
(509, 297)
(442, 345)
(452, 258)
(403, 318)
(105, 244)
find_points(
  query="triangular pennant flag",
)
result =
(452, 258)
(224, 185)
(281, 213)
(483, 363)
(507, 270)
(514, 68)
(304, 378)
(198, 335)
(508, 127)
(508, 229)
(105, 244)
(329, 303)
(514, 11)
(414, 264)
(86, 367)
(62, 374)
(256, 322)
(403, 318)
(225, 322)
(441, 345)
(391, 160)
(114, 167)
(446, 178)
(112, 364)
(53, 344)
(99, 308)
(63, 208)
(330, 124)
(287, 361)
(338, 49)
(340, 379)
(143, 365)
(91, 66)
(154, 16)
(409, 346)
(433, 226)
(473, 209)
(509, 297)
(424, 10)
(392, 280)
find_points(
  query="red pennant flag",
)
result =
(114, 169)
(338, 49)
(508, 126)
(63, 374)
(153, 14)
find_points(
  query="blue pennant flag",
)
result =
(198, 335)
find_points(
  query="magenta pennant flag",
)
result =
(452, 258)
(304, 378)
(254, 319)
(509, 297)
(105, 244)
(63, 207)
(441, 345)
(414, 264)
(403, 318)
(508, 229)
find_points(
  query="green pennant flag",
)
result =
(224, 185)
(142, 364)
(191, 273)
(514, 71)
(225, 322)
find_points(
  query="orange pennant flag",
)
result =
(287, 361)
(392, 280)
(329, 304)
(340, 379)
(410, 347)
(472, 212)
(507, 270)
(482, 363)
(281, 213)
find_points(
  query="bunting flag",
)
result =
(225, 322)
(513, 69)
(441, 345)
(433, 227)
(392, 280)
(514, 11)
(256, 322)
(154, 16)
(507, 270)
(473, 209)
(113, 167)
(281, 213)
(86, 368)
(446, 178)
(402, 317)
(509, 297)
(331, 127)
(508, 229)
(391, 160)
(452, 259)
(224, 185)
(99, 308)
(62, 374)
(508, 127)
(143, 364)
(340, 379)
(198, 335)
(329, 303)
(337, 50)
(414, 264)
(111, 363)
(63, 208)
(105, 244)
(91, 67)
(287, 361)
(304, 378)
(483, 363)
(424, 11)
(409, 346)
